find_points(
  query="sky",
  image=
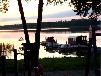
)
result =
(50, 13)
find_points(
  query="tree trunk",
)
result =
(23, 21)
(38, 29)
(26, 37)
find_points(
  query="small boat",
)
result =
(49, 41)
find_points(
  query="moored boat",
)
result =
(50, 42)
(75, 43)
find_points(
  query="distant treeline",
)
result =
(73, 25)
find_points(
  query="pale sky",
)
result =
(50, 12)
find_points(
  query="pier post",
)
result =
(88, 52)
(15, 62)
(3, 63)
(66, 42)
(96, 55)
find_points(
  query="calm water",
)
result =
(13, 38)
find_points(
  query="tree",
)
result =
(23, 21)
(6, 49)
(38, 29)
(4, 4)
(4, 8)
(82, 7)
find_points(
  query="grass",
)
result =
(62, 63)
(52, 64)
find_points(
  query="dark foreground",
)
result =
(61, 73)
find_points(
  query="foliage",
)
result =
(82, 7)
(6, 49)
(55, 1)
(72, 25)
(4, 4)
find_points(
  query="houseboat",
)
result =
(75, 43)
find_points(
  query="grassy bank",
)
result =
(52, 64)
(62, 63)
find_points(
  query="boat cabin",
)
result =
(82, 40)
(72, 39)
(50, 39)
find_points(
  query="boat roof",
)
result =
(72, 36)
(76, 36)
(50, 37)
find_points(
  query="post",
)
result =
(88, 52)
(15, 62)
(53, 64)
(96, 55)
(27, 60)
(29, 63)
(66, 42)
(3, 63)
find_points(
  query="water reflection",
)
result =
(13, 38)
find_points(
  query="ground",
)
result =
(68, 73)
(62, 73)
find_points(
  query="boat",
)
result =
(75, 44)
(50, 43)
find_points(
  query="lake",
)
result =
(61, 37)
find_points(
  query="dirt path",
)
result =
(68, 73)
(61, 73)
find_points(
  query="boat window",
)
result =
(82, 38)
(74, 39)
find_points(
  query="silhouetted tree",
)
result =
(38, 29)
(82, 7)
(4, 8)
(23, 21)
(6, 49)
